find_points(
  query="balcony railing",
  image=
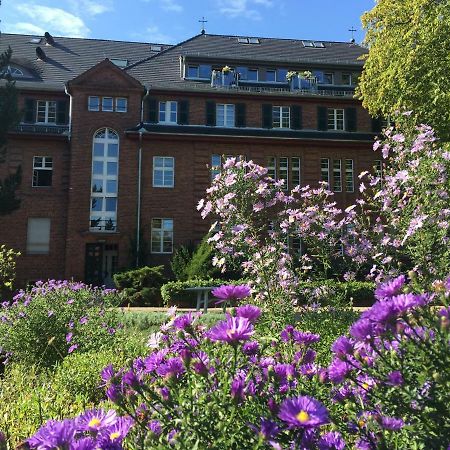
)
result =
(42, 129)
(296, 85)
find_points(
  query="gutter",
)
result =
(139, 186)
(66, 90)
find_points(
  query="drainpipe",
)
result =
(70, 110)
(138, 221)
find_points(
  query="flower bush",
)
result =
(55, 318)
(231, 387)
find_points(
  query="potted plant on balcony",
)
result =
(292, 78)
(227, 76)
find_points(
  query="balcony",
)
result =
(103, 225)
(55, 130)
(297, 85)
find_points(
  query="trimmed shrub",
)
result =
(200, 265)
(180, 260)
(141, 287)
(55, 318)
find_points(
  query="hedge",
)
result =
(326, 292)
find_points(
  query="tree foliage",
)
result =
(408, 64)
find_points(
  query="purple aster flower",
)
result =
(391, 423)
(69, 337)
(72, 348)
(84, 444)
(232, 330)
(250, 312)
(96, 419)
(337, 370)
(154, 360)
(388, 289)
(130, 379)
(237, 387)
(342, 347)
(84, 320)
(107, 373)
(250, 348)
(283, 372)
(304, 412)
(54, 434)
(115, 433)
(228, 293)
(113, 393)
(172, 368)
(331, 441)
(305, 338)
(362, 330)
(185, 321)
(286, 334)
(267, 430)
(395, 378)
(155, 427)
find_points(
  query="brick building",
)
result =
(119, 140)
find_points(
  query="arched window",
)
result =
(105, 171)
(15, 71)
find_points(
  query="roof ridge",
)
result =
(89, 39)
(162, 52)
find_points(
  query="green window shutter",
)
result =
(240, 119)
(376, 124)
(211, 113)
(152, 110)
(296, 117)
(29, 115)
(322, 118)
(62, 112)
(267, 116)
(183, 112)
(350, 119)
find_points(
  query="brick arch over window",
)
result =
(104, 180)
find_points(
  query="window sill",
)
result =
(163, 187)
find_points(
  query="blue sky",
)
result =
(172, 21)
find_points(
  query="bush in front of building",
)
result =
(52, 319)
(141, 286)
(7, 267)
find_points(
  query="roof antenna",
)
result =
(203, 21)
(352, 30)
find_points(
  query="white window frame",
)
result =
(325, 171)
(40, 246)
(350, 78)
(349, 175)
(227, 112)
(296, 166)
(283, 171)
(252, 69)
(336, 119)
(111, 137)
(159, 240)
(167, 171)
(284, 112)
(112, 104)
(167, 111)
(125, 109)
(46, 165)
(49, 110)
(98, 103)
(337, 175)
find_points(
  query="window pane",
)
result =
(98, 168)
(158, 161)
(48, 162)
(93, 104)
(38, 161)
(158, 178)
(168, 224)
(96, 204)
(252, 75)
(162, 111)
(113, 150)
(112, 168)
(97, 186)
(111, 186)
(270, 75)
(168, 162)
(111, 204)
(281, 75)
(168, 180)
(121, 105)
(38, 236)
(99, 149)
(205, 71)
(192, 71)
(107, 104)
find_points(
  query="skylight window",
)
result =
(253, 41)
(243, 40)
(319, 45)
(35, 40)
(307, 44)
(313, 44)
(155, 48)
(120, 62)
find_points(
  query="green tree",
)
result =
(408, 64)
(9, 117)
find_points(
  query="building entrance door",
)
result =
(93, 264)
(110, 255)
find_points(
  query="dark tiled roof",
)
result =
(68, 57)
(163, 70)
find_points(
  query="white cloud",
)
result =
(243, 8)
(154, 34)
(54, 20)
(168, 5)
(90, 7)
(23, 28)
(171, 5)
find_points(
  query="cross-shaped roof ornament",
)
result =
(353, 31)
(203, 21)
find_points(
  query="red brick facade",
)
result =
(67, 202)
